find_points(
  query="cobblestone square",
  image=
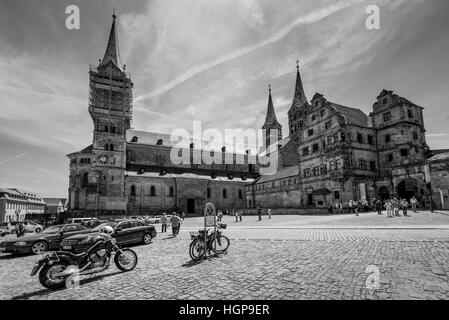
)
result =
(301, 262)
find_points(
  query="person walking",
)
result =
(175, 222)
(236, 214)
(164, 222)
(351, 206)
(378, 206)
(356, 207)
(389, 208)
(404, 206)
(183, 215)
(269, 214)
(18, 230)
(339, 207)
(414, 203)
(396, 205)
(240, 215)
(259, 212)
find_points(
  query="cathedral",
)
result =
(333, 153)
(125, 171)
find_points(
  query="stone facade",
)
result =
(342, 154)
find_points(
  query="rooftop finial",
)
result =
(297, 64)
(269, 88)
(114, 16)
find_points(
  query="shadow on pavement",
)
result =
(42, 292)
(193, 263)
(13, 256)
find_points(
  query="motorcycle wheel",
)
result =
(49, 282)
(196, 250)
(126, 261)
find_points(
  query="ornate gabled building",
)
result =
(337, 153)
(130, 172)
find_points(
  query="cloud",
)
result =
(312, 17)
(13, 158)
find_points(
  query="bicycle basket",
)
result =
(222, 225)
(194, 234)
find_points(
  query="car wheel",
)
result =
(147, 238)
(38, 230)
(39, 247)
(13, 231)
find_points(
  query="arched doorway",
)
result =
(384, 193)
(407, 189)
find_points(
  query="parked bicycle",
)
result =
(215, 242)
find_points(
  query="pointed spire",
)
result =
(300, 96)
(271, 120)
(112, 50)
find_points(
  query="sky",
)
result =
(208, 60)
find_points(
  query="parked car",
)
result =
(10, 227)
(127, 232)
(79, 220)
(49, 239)
(32, 226)
(153, 220)
(3, 232)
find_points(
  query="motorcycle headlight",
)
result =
(20, 243)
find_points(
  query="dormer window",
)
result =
(134, 139)
(385, 101)
(387, 116)
(160, 142)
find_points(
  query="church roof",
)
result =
(440, 157)
(54, 201)
(352, 115)
(271, 120)
(299, 98)
(112, 53)
(281, 174)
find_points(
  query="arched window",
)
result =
(112, 129)
(153, 191)
(85, 180)
(133, 191)
(106, 129)
(208, 192)
(111, 147)
(240, 194)
(171, 192)
(225, 194)
(106, 147)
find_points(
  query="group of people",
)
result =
(174, 221)
(395, 205)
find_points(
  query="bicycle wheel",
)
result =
(196, 249)
(220, 244)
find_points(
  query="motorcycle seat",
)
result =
(76, 257)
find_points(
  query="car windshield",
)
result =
(52, 229)
(110, 224)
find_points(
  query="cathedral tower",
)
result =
(299, 106)
(271, 124)
(110, 107)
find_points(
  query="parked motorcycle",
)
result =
(56, 267)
